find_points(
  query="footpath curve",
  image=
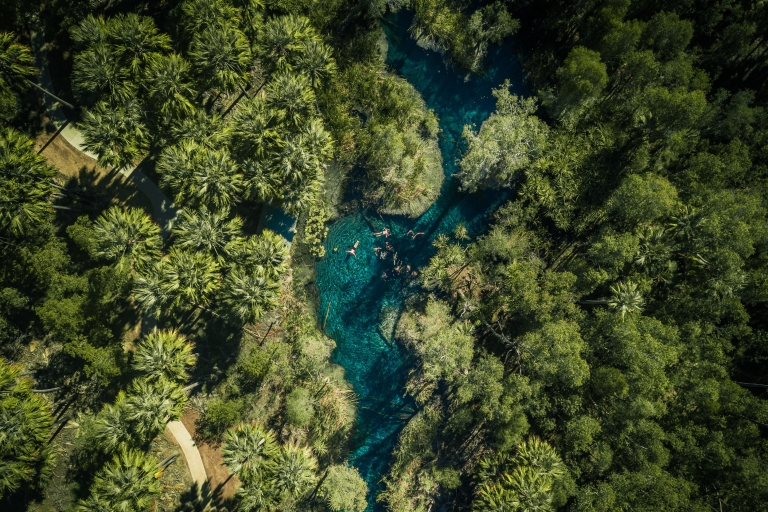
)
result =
(164, 214)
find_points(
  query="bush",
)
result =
(220, 414)
(299, 409)
(254, 368)
(315, 230)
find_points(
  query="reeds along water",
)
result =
(355, 287)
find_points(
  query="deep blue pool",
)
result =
(358, 295)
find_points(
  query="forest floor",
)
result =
(221, 489)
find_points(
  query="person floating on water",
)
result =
(353, 250)
(414, 235)
(386, 232)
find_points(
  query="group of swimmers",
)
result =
(399, 265)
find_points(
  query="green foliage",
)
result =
(16, 67)
(26, 459)
(128, 237)
(344, 489)
(508, 141)
(446, 25)
(315, 230)
(129, 482)
(164, 355)
(299, 408)
(219, 416)
(24, 183)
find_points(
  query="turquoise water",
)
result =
(358, 295)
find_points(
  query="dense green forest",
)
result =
(602, 346)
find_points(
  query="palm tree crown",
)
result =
(164, 354)
(127, 236)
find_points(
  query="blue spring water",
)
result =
(353, 293)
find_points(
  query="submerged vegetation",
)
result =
(599, 345)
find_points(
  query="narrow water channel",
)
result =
(361, 304)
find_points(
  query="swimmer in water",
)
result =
(415, 235)
(353, 250)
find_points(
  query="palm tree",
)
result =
(255, 497)
(113, 428)
(151, 404)
(167, 81)
(127, 236)
(25, 428)
(250, 451)
(259, 180)
(189, 277)
(542, 457)
(136, 40)
(207, 231)
(317, 140)
(316, 61)
(89, 32)
(267, 252)
(16, 69)
(294, 472)
(626, 299)
(253, 128)
(223, 56)
(25, 182)
(128, 484)
(248, 295)
(201, 14)
(199, 175)
(200, 128)
(216, 180)
(117, 134)
(281, 39)
(164, 355)
(292, 95)
(97, 72)
(149, 291)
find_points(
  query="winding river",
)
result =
(357, 305)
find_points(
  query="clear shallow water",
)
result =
(358, 295)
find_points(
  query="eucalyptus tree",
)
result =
(16, 68)
(116, 133)
(127, 236)
(164, 355)
(222, 56)
(25, 430)
(128, 483)
(209, 231)
(168, 82)
(250, 452)
(246, 296)
(25, 183)
(508, 141)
